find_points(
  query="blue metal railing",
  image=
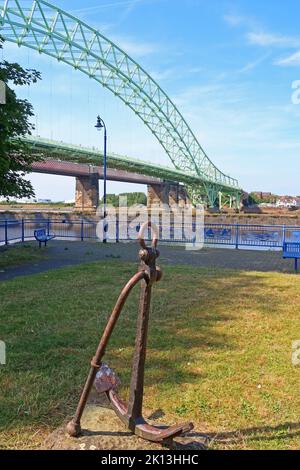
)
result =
(228, 235)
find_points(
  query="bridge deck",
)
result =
(61, 151)
(57, 167)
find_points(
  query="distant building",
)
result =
(267, 204)
(264, 199)
(288, 201)
(44, 201)
(26, 201)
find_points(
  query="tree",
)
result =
(15, 114)
(135, 198)
(132, 199)
(254, 199)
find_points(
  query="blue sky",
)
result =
(228, 65)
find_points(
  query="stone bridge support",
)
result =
(87, 193)
(167, 193)
(183, 199)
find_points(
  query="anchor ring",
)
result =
(141, 236)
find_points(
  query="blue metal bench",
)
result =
(209, 233)
(292, 250)
(41, 236)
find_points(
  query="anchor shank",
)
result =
(137, 378)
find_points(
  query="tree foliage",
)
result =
(15, 115)
(254, 199)
(132, 199)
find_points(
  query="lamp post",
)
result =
(99, 126)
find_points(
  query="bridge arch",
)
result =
(49, 30)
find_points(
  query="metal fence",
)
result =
(228, 235)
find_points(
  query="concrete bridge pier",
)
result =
(87, 193)
(173, 190)
(157, 194)
(183, 199)
(168, 193)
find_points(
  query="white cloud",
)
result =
(122, 10)
(292, 60)
(163, 74)
(134, 48)
(234, 20)
(104, 5)
(174, 73)
(196, 70)
(254, 64)
(244, 137)
(269, 39)
(197, 95)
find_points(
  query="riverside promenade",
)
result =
(65, 253)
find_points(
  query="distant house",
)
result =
(288, 201)
(267, 204)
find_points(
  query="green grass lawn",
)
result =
(219, 351)
(15, 255)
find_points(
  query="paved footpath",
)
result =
(66, 253)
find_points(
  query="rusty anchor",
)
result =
(131, 413)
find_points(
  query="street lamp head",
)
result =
(99, 124)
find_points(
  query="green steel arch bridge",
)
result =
(51, 150)
(38, 25)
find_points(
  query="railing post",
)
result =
(117, 229)
(82, 230)
(6, 232)
(48, 226)
(237, 236)
(160, 229)
(283, 235)
(23, 231)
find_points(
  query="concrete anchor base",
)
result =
(103, 430)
